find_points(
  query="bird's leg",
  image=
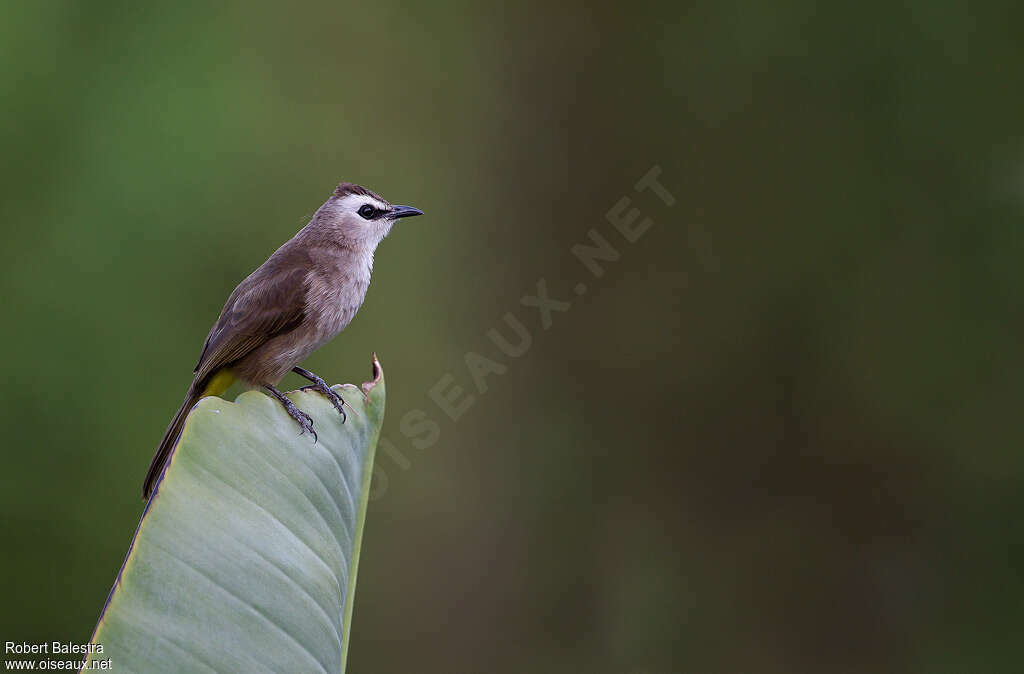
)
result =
(305, 421)
(320, 385)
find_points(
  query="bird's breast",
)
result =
(332, 303)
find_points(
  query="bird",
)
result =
(298, 300)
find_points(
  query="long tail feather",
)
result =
(163, 451)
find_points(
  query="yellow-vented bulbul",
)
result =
(295, 302)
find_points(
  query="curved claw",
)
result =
(339, 404)
(335, 398)
(307, 425)
(323, 387)
(304, 420)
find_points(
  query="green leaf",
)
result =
(245, 558)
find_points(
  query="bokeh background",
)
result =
(782, 433)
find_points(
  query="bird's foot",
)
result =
(321, 386)
(304, 420)
(332, 395)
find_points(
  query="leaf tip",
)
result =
(377, 373)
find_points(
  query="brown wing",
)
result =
(270, 302)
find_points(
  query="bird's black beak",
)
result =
(404, 212)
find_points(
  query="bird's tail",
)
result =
(214, 386)
(170, 438)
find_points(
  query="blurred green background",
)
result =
(780, 434)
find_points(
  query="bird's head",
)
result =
(359, 217)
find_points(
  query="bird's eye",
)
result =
(367, 211)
